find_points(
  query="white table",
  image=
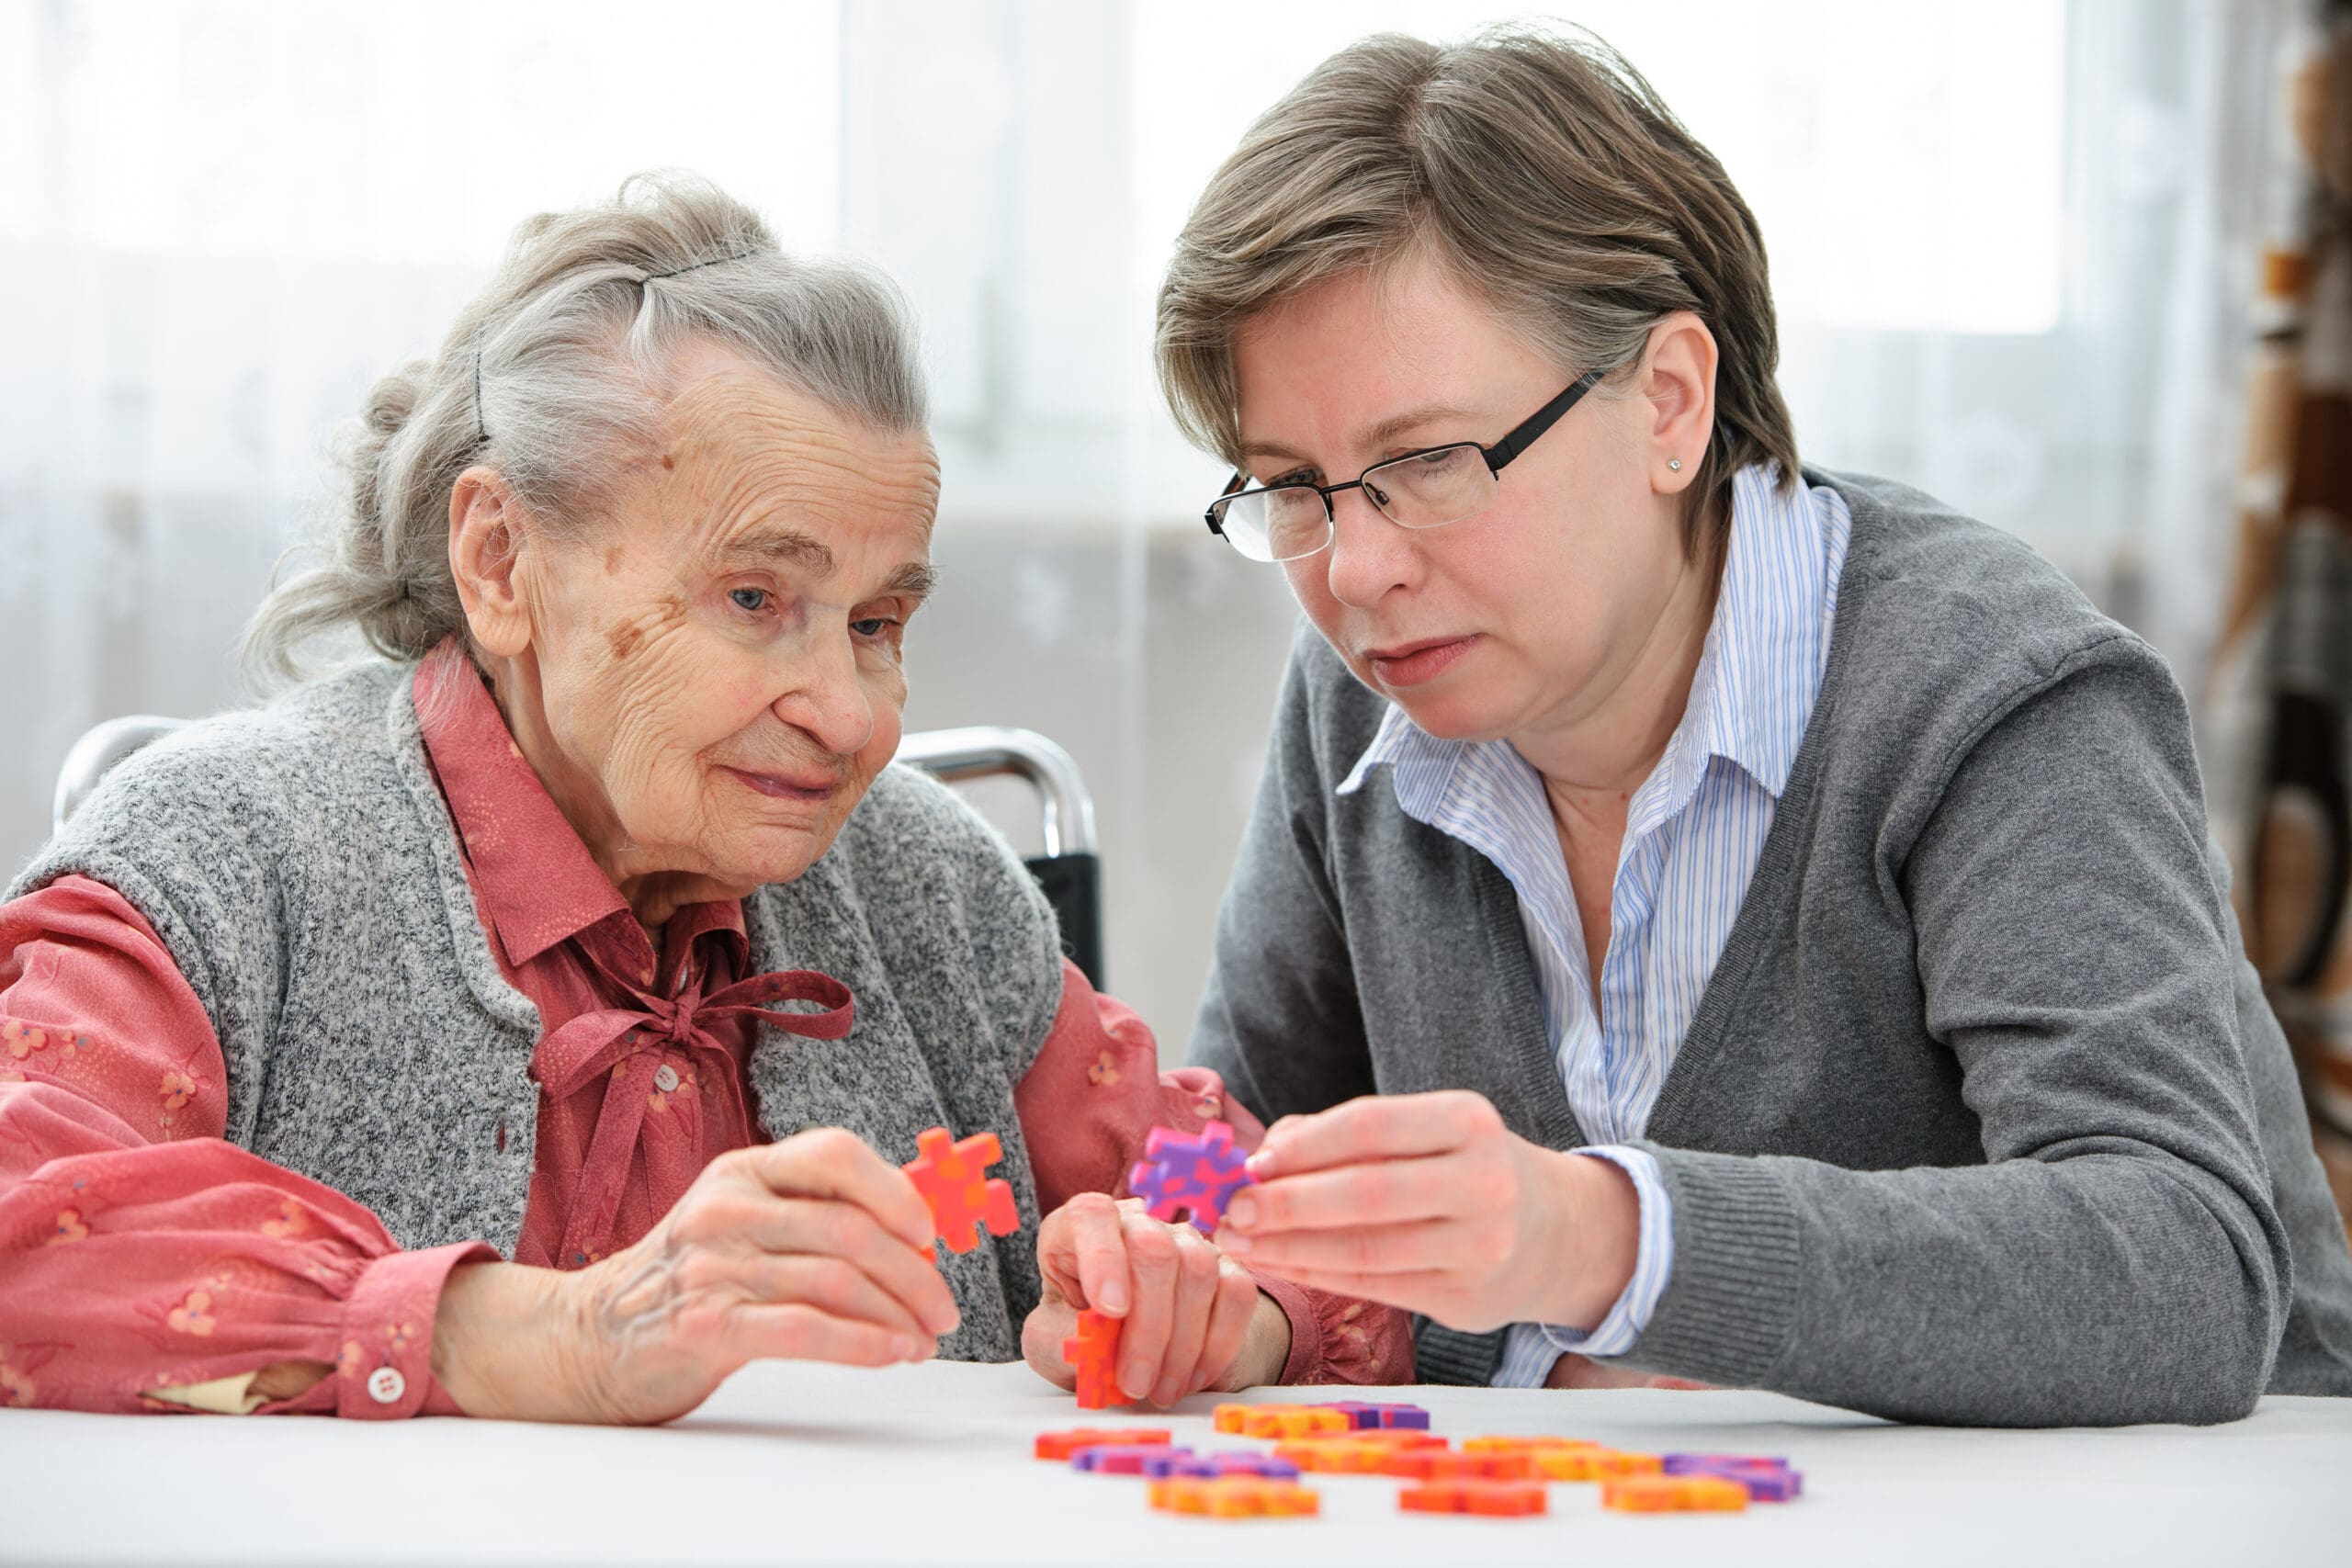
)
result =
(932, 1464)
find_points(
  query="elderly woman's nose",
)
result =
(1369, 556)
(830, 704)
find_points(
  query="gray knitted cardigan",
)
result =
(301, 868)
(1982, 1117)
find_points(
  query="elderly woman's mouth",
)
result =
(790, 787)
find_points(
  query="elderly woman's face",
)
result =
(718, 664)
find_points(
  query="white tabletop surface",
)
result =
(801, 1463)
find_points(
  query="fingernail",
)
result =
(1233, 1242)
(1259, 1165)
(1166, 1393)
(1114, 1300)
(903, 1348)
(1135, 1380)
(1241, 1211)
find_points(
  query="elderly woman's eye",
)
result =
(749, 600)
(871, 626)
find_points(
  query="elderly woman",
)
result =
(588, 928)
(1744, 921)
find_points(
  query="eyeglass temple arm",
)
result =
(1542, 420)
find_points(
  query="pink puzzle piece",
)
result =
(1186, 1176)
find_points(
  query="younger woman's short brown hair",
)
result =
(1539, 168)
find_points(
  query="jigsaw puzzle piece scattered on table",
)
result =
(1188, 1176)
(1061, 1445)
(1292, 1421)
(1123, 1459)
(1767, 1480)
(1234, 1497)
(1093, 1355)
(1674, 1494)
(1383, 1418)
(1209, 1467)
(1501, 1498)
(952, 1177)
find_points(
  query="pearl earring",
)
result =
(1674, 464)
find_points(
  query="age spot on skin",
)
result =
(613, 558)
(625, 639)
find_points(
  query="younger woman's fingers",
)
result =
(1412, 1247)
(1379, 1192)
(1396, 1126)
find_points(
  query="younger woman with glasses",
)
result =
(1743, 923)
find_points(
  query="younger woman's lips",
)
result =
(1424, 663)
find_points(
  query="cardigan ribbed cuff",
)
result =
(1442, 1355)
(1726, 1313)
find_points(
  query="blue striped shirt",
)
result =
(1693, 832)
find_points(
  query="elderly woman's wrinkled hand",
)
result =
(1191, 1317)
(813, 1248)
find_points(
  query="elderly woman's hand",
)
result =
(1193, 1318)
(813, 1248)
(1429, 1203)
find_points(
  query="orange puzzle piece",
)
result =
(1503, 1498)
(1674, 1494)
(1292, 1421)
(1432, 1465)
(1061, 1445)
(951, 1177)
(1360, 1452)
(1093, 1355)
(1528, 1445)
(1234, 1497)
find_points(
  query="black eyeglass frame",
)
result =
(1499, 456)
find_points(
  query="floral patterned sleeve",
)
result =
(145, 1264)
(1089, 1100)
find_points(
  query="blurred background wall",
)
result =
(222, 219)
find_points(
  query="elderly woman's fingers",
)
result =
(1379, 1192)
(1188, 1327)
(798, 1225)
(829, 1162)
(1236, 1304)
(1395, 1126)
(835, 1286)
(1152, 1263)
(797, 1332)
(1082, 1249)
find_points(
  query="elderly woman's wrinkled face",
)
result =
(719, 663)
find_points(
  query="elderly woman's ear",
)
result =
(487, 545)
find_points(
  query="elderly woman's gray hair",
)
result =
(554, 377)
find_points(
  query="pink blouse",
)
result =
(145, 1264)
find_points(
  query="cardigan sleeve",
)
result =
(145, 1264)
(1088, 1104)
(2118, 1259)
(1279, 1018)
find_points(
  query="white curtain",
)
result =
(2011, 244)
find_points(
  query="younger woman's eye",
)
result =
(749, 600)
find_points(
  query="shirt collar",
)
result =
(1752, 693)
(534, 878)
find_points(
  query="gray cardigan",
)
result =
(302, 870)
(1983, 1116)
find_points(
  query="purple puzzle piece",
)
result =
(1211, 1467)
(1404, 1417)
(1767, 1480)
(1189, 1176)
(1122, 1459)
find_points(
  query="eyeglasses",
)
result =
(1420, 490)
